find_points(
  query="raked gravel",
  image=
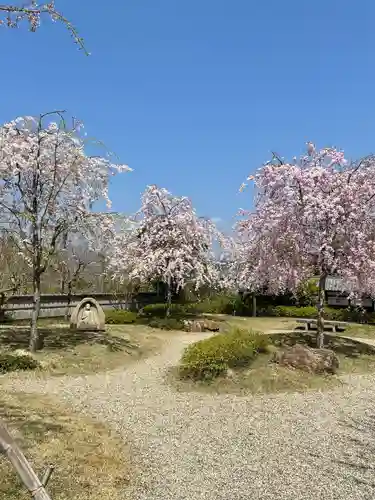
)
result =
(311, 446)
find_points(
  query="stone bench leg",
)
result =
(307, 326)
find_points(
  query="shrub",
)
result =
(166, 323)
(296, 312)
(120, 317)
(218, 304)
(330, 314)
(307, 293)
(160, 310)
(10, 362)
(211, 357)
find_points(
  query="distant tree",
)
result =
(72, 264)
(14, 272)
(170, 243)
(12, 15)
(315, 215)
(47, 188)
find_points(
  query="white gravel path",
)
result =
(196, 446)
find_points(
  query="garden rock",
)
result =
(308, 359)
(205, 325)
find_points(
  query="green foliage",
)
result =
(353, 314)
(166, 323)
(211, 357)
(218, 304)
(10, 362)
(160, 310)
(295, 312)
(120, 317)
(307, 292)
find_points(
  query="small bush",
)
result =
(120, 317)
(160, 310)
(211, 357)
(191, 308)
(10, 362)
(166, 323)
(219, 304)
(296, 312)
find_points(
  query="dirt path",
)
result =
(192, 445)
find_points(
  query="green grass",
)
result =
(69, 352)
(264, 325)
(363, 331)
(91, 462)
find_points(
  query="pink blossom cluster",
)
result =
(312, 217)
(13, 15)
(169, 242)
(49, 184)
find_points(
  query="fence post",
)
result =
(10, 449)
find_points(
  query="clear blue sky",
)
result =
(194, 94)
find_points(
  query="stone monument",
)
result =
(88, 315)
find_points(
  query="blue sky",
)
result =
(195, 94)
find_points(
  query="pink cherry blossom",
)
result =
(12, 15)
(48, 185)
(169, 242)
(312, 217)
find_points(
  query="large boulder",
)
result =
(308, 359)
(204, 325)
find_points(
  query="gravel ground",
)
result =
(308, 446)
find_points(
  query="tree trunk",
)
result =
(62, 285)
(254, 305)
(169, 298)
(320, 307)
(34, 334)
(69, 300)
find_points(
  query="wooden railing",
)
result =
(29, 478)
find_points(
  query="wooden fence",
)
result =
(54, 305)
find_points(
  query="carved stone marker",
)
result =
(88, 315)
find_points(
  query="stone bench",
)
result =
(333, 325)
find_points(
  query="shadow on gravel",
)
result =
(61, 338)
(358, 461)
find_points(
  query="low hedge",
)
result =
(166, 323)
(330, 313)
(211, 357)
(10, 362)
(160, 310)
(295, 312)
(120, 317)
(219, 304)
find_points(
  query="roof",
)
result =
(334, 283)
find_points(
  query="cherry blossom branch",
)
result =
(15, 14)
(275, 156)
